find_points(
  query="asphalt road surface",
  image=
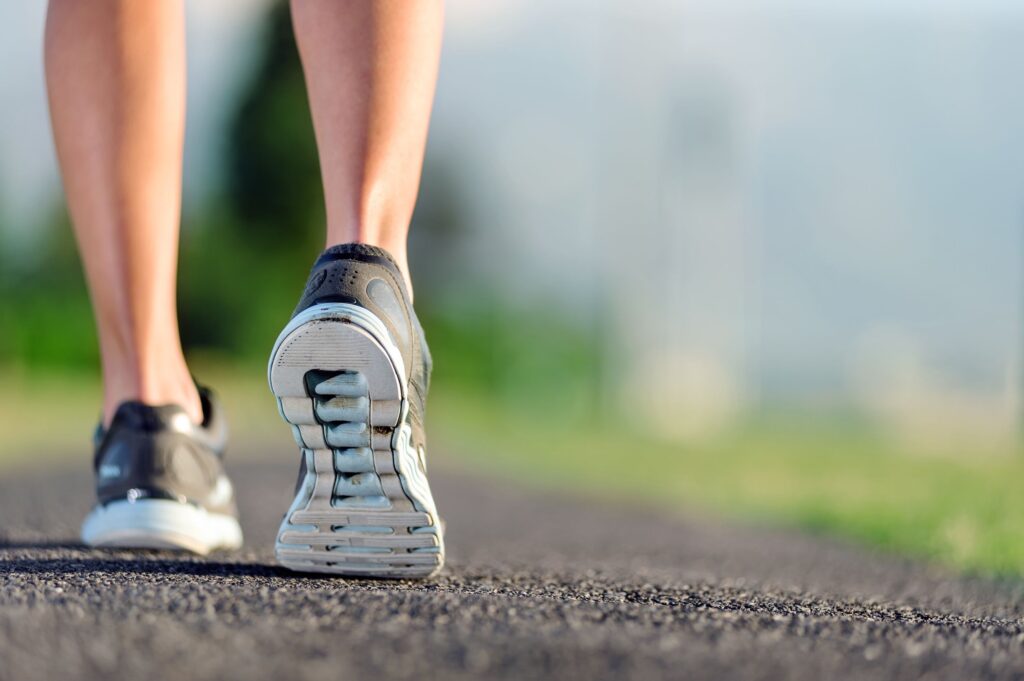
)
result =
(537, 587)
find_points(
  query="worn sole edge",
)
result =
(414, 485)
(160, 524)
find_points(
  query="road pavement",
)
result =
(538, 586)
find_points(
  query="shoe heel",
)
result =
(359, 509)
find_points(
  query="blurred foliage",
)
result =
(246, 251)
(273, 173)
(45, 316)
(246, 254)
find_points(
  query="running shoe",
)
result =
(350, 372)
(160, 481)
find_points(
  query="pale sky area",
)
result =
(811, 188)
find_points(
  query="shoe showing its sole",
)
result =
(363, 506)
(160, 524)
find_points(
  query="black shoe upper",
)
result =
(368, 276)
(157, 452)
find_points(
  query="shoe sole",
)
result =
(160, 524)
(364, 507)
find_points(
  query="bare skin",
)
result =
(116, 79)
(115, 71)
(371, 67)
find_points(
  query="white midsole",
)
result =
(160, 524)
(362, 317)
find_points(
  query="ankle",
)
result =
(399, 253)
(165, 386)
(396, 248)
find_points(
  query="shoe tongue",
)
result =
(356, 249)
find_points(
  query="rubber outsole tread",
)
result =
(357, 539)
(347, 411)
(338, 558)
(353, 518)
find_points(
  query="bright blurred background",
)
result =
(761, 259)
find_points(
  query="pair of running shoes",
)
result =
(350, 372)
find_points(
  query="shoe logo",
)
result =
(109, 470)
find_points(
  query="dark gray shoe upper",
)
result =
(157, 452)
(368, 276)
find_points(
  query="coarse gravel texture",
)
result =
(538, 586)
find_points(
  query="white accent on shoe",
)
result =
(160, 524)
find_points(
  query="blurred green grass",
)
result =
(831, 476)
